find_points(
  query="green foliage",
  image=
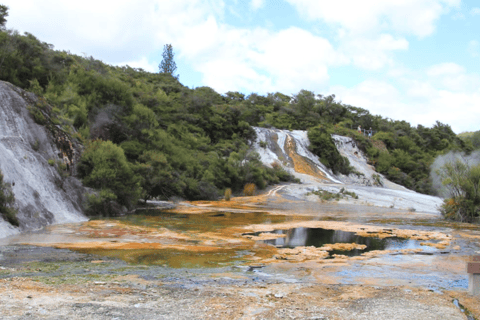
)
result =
(37, 115)
(377, 180)
(3, 16)
(386, 137)
(7, 202)
(36, 145)
(156, 177)
(463, 184)
(472, 138)
(102, 204)
(103, 166)
(51, 162)
(321, 144)
(348, 193)
(61, 169)
(325, 195)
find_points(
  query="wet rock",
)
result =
(42, 196)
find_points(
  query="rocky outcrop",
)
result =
(37, 161)
(289, 149)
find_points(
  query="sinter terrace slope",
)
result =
(289, 149)
(42, 195)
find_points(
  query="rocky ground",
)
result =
(43, 282)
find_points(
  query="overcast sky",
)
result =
(414, 60)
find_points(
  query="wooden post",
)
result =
(473, 270)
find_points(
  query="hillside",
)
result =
(148, 136)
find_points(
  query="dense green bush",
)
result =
(471, 138)
(103, 166)
(7, 202)
(322, 144)
(463, 184)
(102, 204)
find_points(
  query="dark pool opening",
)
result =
(318, 237)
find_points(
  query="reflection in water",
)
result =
(192, 226)
(318, 237)
(204, 222)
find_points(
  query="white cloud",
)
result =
(142, 63)
(362, 17)
(257, 4)
(475, 11)
(376, 96)
(262, 61)
(112, 33)
(447, 94)
(446, 68)
(372, 54)
(296, 58)
(453, 77)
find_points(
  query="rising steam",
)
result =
(440, 161)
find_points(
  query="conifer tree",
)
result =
(3, 16)
(168, 65)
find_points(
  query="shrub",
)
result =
(51, 162)
(322, 144)
(62, 169)
(37, 115)
(7, 202)
(102, 204)
(377, 180)
(275, 165)
(463, 184)
(228, 194)
(103, 166)
(249, 189)
(36, 145)
(349, 193)
(327, 195)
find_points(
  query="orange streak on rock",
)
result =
(301, 164)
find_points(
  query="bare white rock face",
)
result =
(275, 146)
(42, 196)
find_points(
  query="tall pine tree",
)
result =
(168, 65)
(3, 16)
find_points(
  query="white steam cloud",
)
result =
(472, 160)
